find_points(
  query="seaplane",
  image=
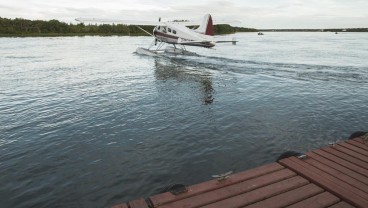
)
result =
(176, 33)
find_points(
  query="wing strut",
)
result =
(145, 31)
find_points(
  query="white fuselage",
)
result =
(175, 33)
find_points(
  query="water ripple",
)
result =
(85, 122)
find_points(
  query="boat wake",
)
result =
(307, 72)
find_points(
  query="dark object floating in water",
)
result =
(291, 154)
(358, 134)
(362, 134)
(175, 189)
(260, 33)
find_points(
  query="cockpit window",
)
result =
(169, 29)
(174, 31)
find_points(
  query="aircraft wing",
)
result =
(116, 21)
(226, 22)
(150, 23)
(226, 41)
(195, 23)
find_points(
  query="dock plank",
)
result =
(350, 152)
(342, 169)
(288, 198)
(342, 162)
(139, 203)
(342, 205)
(201, 188)
(321, 200)
(360, 140)
(354, 148)
(260, 194)
(358, 144)
(318, 177)
(233, 190)
(346, 157)
(339, 175)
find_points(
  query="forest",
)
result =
(22, 27)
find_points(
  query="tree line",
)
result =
(317, 30)
(24, 27)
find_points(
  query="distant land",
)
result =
(317, 30)
(23, 28)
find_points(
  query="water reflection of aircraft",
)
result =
(167, 70)
(172, 32)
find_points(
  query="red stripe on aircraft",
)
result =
(165, 35)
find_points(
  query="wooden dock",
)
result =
(335, 176)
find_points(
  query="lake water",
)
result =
(87, 122)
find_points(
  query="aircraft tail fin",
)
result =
(206, 27)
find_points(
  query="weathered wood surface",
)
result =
(334, 176)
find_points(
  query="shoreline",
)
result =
(141, 35)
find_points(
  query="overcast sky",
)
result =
(259, 14)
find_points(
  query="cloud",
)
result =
(252, 13)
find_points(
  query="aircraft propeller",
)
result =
(159, 20)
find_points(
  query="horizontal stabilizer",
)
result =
(186, 42)
(230, 41)
(233, 41)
